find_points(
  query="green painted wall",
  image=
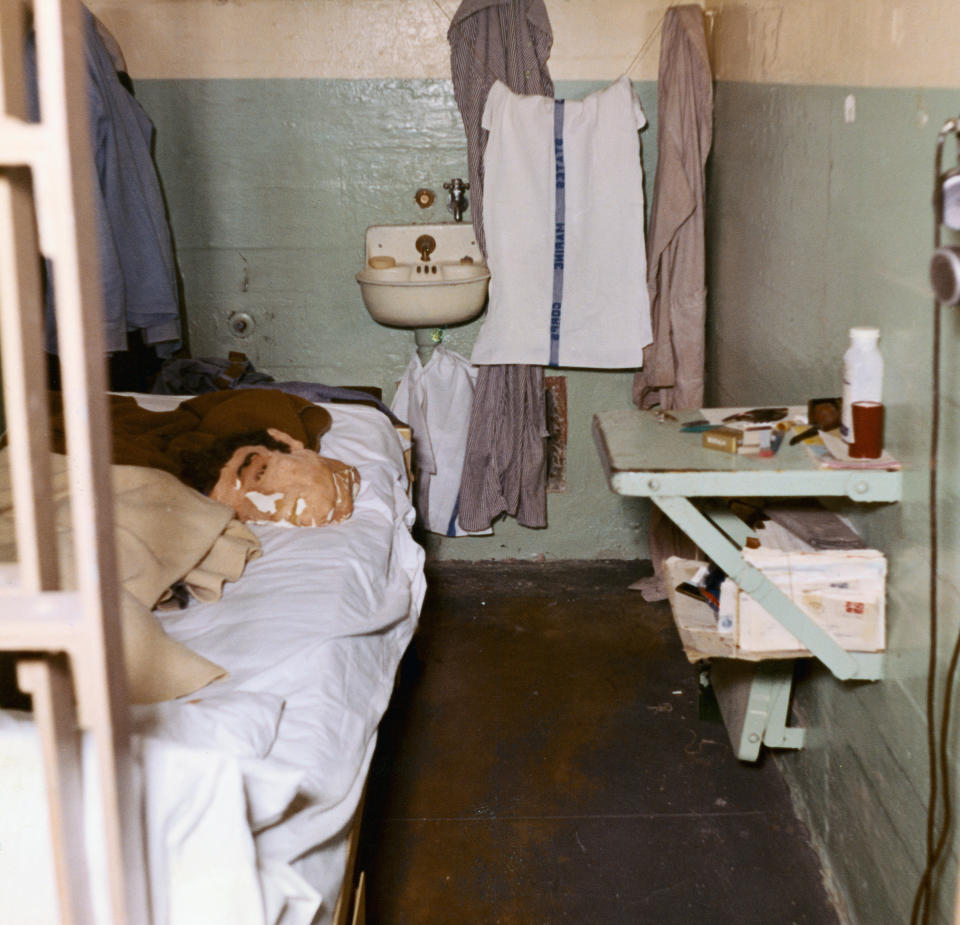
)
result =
(818, 224)
(270, 185)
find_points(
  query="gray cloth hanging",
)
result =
(504, 470)
(673, 365)
(505, 465)
(507, 40)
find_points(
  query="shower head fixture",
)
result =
(945, 262)
(945, 275)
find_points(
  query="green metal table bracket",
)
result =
(754, 700)
(721, 515)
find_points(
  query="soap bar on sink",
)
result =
(382, 263)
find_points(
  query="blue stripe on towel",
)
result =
(452, 525)
(559, 233)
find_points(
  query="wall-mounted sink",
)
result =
(423, 276)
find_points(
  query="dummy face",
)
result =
(299, 487)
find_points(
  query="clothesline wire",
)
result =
(449, 16)
(646, 43)
(640, 53)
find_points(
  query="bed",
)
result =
(238, 800)
(252, 785)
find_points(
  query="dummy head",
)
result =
(272, 477)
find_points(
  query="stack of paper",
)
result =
(842, 590)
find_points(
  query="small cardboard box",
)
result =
(843, 591)
(726, 439)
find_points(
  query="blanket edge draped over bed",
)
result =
(165, 533)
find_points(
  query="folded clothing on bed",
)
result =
(165, 533)
(161, 439)
(199, 375)
(209, 441)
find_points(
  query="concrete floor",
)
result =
(544, 761)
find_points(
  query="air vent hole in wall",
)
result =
(241, 324)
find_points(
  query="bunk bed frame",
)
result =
(75, 671)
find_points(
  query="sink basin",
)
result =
(423, 276)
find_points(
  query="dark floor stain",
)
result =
(544, 761)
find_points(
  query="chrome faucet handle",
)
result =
(457, 201)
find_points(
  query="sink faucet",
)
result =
(457, 201)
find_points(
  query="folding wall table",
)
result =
(646, 454)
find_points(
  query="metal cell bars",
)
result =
(76, 662)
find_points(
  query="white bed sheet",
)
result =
(270, 761)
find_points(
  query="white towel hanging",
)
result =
(564, 216)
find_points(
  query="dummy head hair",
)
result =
(200, 469)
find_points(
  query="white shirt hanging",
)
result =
(436, 401)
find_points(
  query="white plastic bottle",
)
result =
(862, 374)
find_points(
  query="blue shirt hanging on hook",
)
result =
(137, 268)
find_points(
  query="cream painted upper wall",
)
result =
(843, 42)
(593, 39)
(873, 43)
